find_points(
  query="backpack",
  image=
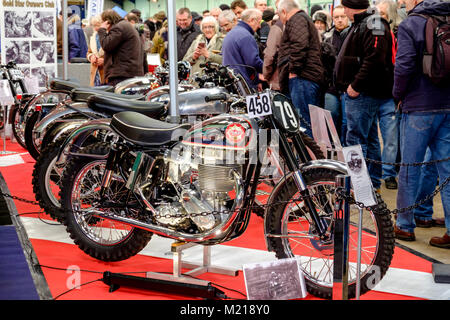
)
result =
(436, 55)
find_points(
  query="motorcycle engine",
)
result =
(202, 198)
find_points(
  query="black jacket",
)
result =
(365, 59)
(330, 47)
(300, 51)
(185, 37)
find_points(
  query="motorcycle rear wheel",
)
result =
(100, 238)
(316, 256)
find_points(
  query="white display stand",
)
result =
(177, 249)
(6, 100)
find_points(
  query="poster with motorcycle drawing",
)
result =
(28, 33)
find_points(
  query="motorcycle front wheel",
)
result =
(102, 239)
(292, 233)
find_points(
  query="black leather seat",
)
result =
(83, 94)
(63, 85)
(114, 104)
(145, 131)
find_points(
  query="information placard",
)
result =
(274, 280)
(357, 169)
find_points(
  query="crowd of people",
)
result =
(363, 63)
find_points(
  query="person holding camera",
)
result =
(207, 46)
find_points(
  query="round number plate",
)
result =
(285, 113)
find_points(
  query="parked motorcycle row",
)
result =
(114, 168)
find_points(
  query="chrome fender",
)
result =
(78, 136)
(59, 113)
(314, 164)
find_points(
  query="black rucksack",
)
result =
(436, 55)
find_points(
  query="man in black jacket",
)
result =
(364, 71)
(187, 31)
(331, 45)
(300, 67)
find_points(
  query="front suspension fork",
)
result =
(293, 166)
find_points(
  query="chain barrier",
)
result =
(414, 164)
(338, 191)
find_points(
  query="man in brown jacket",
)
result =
(124, 53)
(300, 68)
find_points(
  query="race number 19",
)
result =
(259, 105)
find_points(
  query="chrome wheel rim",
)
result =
(85, 194)
(316, 256)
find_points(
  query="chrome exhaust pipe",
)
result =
(216, 233)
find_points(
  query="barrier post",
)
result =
(341, 235)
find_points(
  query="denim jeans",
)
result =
(389, 127)
(303, 93)
(418, 131)
(336, 105)
(427, 182)
(362, 128)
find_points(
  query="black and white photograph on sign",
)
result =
(17, 51)
(43, 73)
(42, 52)
(274, 280)
(354, 162)
(18, 24)
(43, 24)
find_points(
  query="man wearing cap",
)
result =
(197, 18)
(364, 72)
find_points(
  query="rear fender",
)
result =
(76, 139)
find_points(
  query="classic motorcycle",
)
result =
(198, 183)
(74, 108)
(71, 136)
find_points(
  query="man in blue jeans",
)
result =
(423, 215)
(425, 120)
(300, 67)
(364, 71)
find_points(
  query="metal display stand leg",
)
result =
(196, 269)
(341, 235)
(358, 262)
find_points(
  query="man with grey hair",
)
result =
(227, 21)
(239, 47)
(299, 60)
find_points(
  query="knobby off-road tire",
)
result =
(46, 177)
(83, 228)
(29, 136)
(18, 132)
(316, 257)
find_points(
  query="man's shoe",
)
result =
(439, 222)
(441, 242)
(421, 223)
(403, 235)
(391, 183)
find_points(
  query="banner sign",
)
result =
(28, 36)
(95, 7)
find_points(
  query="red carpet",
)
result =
(63, 256)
